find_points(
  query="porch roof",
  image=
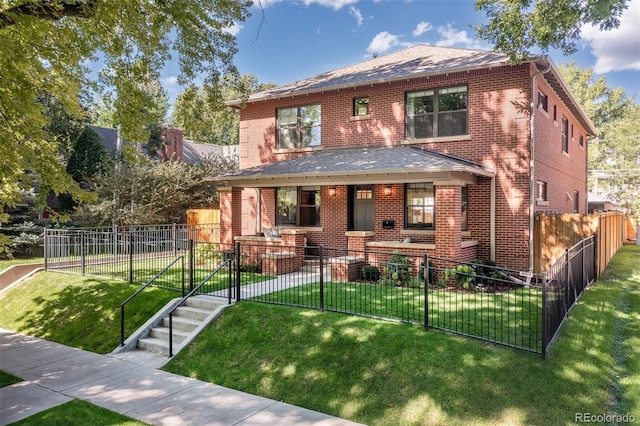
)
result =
(361, 165)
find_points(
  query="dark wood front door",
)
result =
(362, 208)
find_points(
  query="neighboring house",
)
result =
(428, 149)
(600, 203)
(176, 148)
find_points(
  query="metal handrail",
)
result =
(188, 295)
(122, 305)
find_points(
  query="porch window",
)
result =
(420, 204)
(433, 113)
(299, 127)
(298, 206)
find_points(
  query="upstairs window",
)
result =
(299, 127)
(436, 113)
(360, 107)
(420, 204)
(565, 135)
(543, 102)
(581, 141)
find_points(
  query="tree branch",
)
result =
(51, 10)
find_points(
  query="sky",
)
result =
(288, 40)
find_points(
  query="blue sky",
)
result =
(294, 39)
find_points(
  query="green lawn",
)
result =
(78, 413)
(83, 312)
(7, 379)
(383, 373)
(512, 317)
(5, 263)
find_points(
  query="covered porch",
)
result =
(402, 198)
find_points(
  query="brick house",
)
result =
(428, 149)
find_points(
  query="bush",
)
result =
(398, 270)
(465, 275)
(370, 273)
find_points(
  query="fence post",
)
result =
(545, 314)
(82, 254)
(237, 253)
(46, 251)
(183, 292)
(231, 273)
(425, 259)
(567, 279)
(191, 264)
(131, 257)
(320, 252)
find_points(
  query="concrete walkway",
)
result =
(55, 374)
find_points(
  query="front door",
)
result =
(362, 212)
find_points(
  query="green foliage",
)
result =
(516, 26)
(204, 118)
(399, 272)
(370, 273)
(208, 254)
(7, 379)
(155, 192)
(89, 157)
(78, 413)
(45, 45)
(464, 275)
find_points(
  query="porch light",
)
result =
(387, 190)
(332, 191)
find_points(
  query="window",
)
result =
(298, 206)
(360, 106)
(572, 131)
(299, 127)
(420, 206)
(565, 135)
(433, 113)
(465, 205)
(576, 202)
(555, 113)
(581, 141)
(541, 191)
(543, 102)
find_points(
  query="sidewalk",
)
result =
(55, 374)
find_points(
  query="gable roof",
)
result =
(361, 165)
(109, 137)
(418, 61)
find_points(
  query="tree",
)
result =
(45, 44)
(601, 103)
(515, 26)
(157, 192)
(202, 123)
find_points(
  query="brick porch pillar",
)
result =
(230, 214)
(448, 222)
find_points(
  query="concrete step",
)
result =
(203, 302)
(199, 314)
(162, 333)
(152, 344)
(182, 323)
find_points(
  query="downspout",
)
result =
(492, 223)
(532, 146)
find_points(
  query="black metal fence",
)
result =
(475, 299)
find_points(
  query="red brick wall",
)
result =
(498, 125)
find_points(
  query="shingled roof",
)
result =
(417, 61)
(377, 164)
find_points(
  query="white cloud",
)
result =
(355, 12)
(169, 81)
(384, 41)
(234, 29)
(333, 4)
(453, 37)
(618, 49)
(422, 28)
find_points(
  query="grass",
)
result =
(82, 312)
(5, 263)
(7, 379)
(382, 373)
(78, 413)
(511, 317)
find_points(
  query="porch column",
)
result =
(230, 214)
(448, 221)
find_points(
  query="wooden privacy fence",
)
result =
(555, 232)
(198, 218)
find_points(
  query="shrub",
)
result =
(370, 273)
(464, 275)
(398, 270)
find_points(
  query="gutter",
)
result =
(532, 181)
